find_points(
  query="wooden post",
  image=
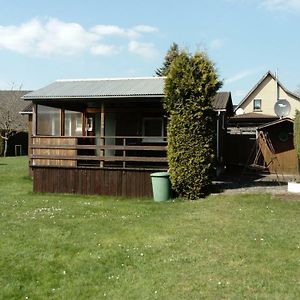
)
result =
(124, 153)
(102, 132)
(34, 110)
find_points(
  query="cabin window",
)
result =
(73, 123)
(257, 105)
(153, 130)
(48, 120)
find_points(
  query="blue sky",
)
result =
(41, 41)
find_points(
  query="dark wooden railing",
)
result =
(108, 151)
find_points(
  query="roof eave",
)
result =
(26, 98)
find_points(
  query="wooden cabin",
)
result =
(103, 136)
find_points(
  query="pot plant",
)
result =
(294, 186)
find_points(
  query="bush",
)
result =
(297, 133)
(190, 86)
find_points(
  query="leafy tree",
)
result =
(172, 53)
(190, 86)
(10, 120)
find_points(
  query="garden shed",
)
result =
(275, 141)
(104, 136)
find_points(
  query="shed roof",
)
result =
(101, 88)
(113, 88)
(221, 100)
(253, 115)
(274, 123)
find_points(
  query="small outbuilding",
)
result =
(104, 136)
(275, 141)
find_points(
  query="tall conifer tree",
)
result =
(172, 53)
(190, 86)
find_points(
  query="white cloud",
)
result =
(54, 37)
(287, 5)
(102, 49)
(22, 38)
(145, 28)
(64, 38)
(146, 50)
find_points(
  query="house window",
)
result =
(153, 130)
(257, 105)
(73, 123)
(48, 120)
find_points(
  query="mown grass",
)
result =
(92, 247)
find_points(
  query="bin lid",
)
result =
(160, 174)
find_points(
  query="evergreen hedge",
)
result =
(297, 133)
(189, 88)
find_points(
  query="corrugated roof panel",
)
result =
(130, 87)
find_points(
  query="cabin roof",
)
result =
(100, 88)
(113, 88)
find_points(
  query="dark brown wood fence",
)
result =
(115, 182)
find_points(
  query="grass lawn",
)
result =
(91, 247)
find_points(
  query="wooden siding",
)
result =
(44, 156)
(78, 151)
(285, 162)
(114, 182)
(280, 156)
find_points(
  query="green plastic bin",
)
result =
(161, 186)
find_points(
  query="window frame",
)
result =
(37, 121)
(153, 139)
(260, 104)
(77, 128)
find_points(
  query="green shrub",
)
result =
(297, 133)
(190, 85)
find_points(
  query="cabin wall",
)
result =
(113, 182)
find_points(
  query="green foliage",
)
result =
(297, 133)
(172, 53)
(190, 85)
